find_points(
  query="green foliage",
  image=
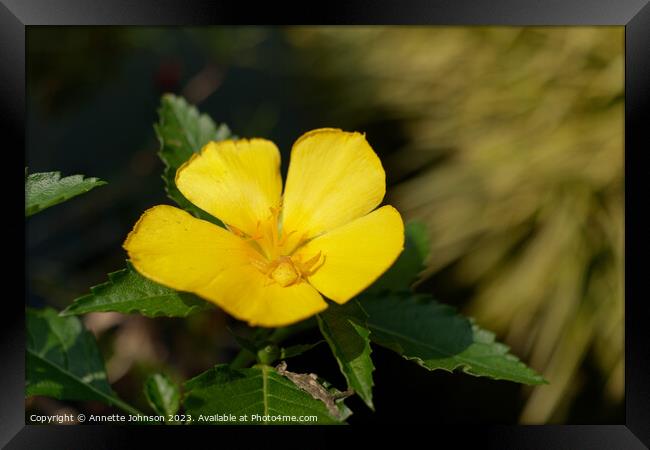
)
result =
(346, 331)
(162, 394)
(436, 337)
(264, 346)
(182, 132)
(127, 292)
(259, 390)
(295, 350)
(268, 354)
(45, 189)
(410, 263)
(63, 360)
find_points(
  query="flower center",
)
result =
(285, 273)
(273, 252)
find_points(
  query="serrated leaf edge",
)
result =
(112, 277)
(38, 207)
(463, 365)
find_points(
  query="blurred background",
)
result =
(506, 142)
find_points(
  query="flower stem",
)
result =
(245, 358)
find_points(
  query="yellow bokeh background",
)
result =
(513, 157)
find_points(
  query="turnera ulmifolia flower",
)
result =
(280, 252)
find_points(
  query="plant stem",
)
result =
(244, 358)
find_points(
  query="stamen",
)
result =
(284, 237)
(273, 249)
(309, 267)
(311, 261)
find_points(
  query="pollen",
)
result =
(285, 273)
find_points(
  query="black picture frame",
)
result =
(634, 15)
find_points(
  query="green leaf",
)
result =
(436, 337)
(295, 350)
(63, 360)
(404, 272)
(46, 189)
(182, 131)
(345, 330)
(256, 392)
(127, 292)
(162, 394)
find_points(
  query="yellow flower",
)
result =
(280, 252)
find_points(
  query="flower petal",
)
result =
(170, 246)
(248, 295)
(334, 177)
(356, 254)
(237, 181)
